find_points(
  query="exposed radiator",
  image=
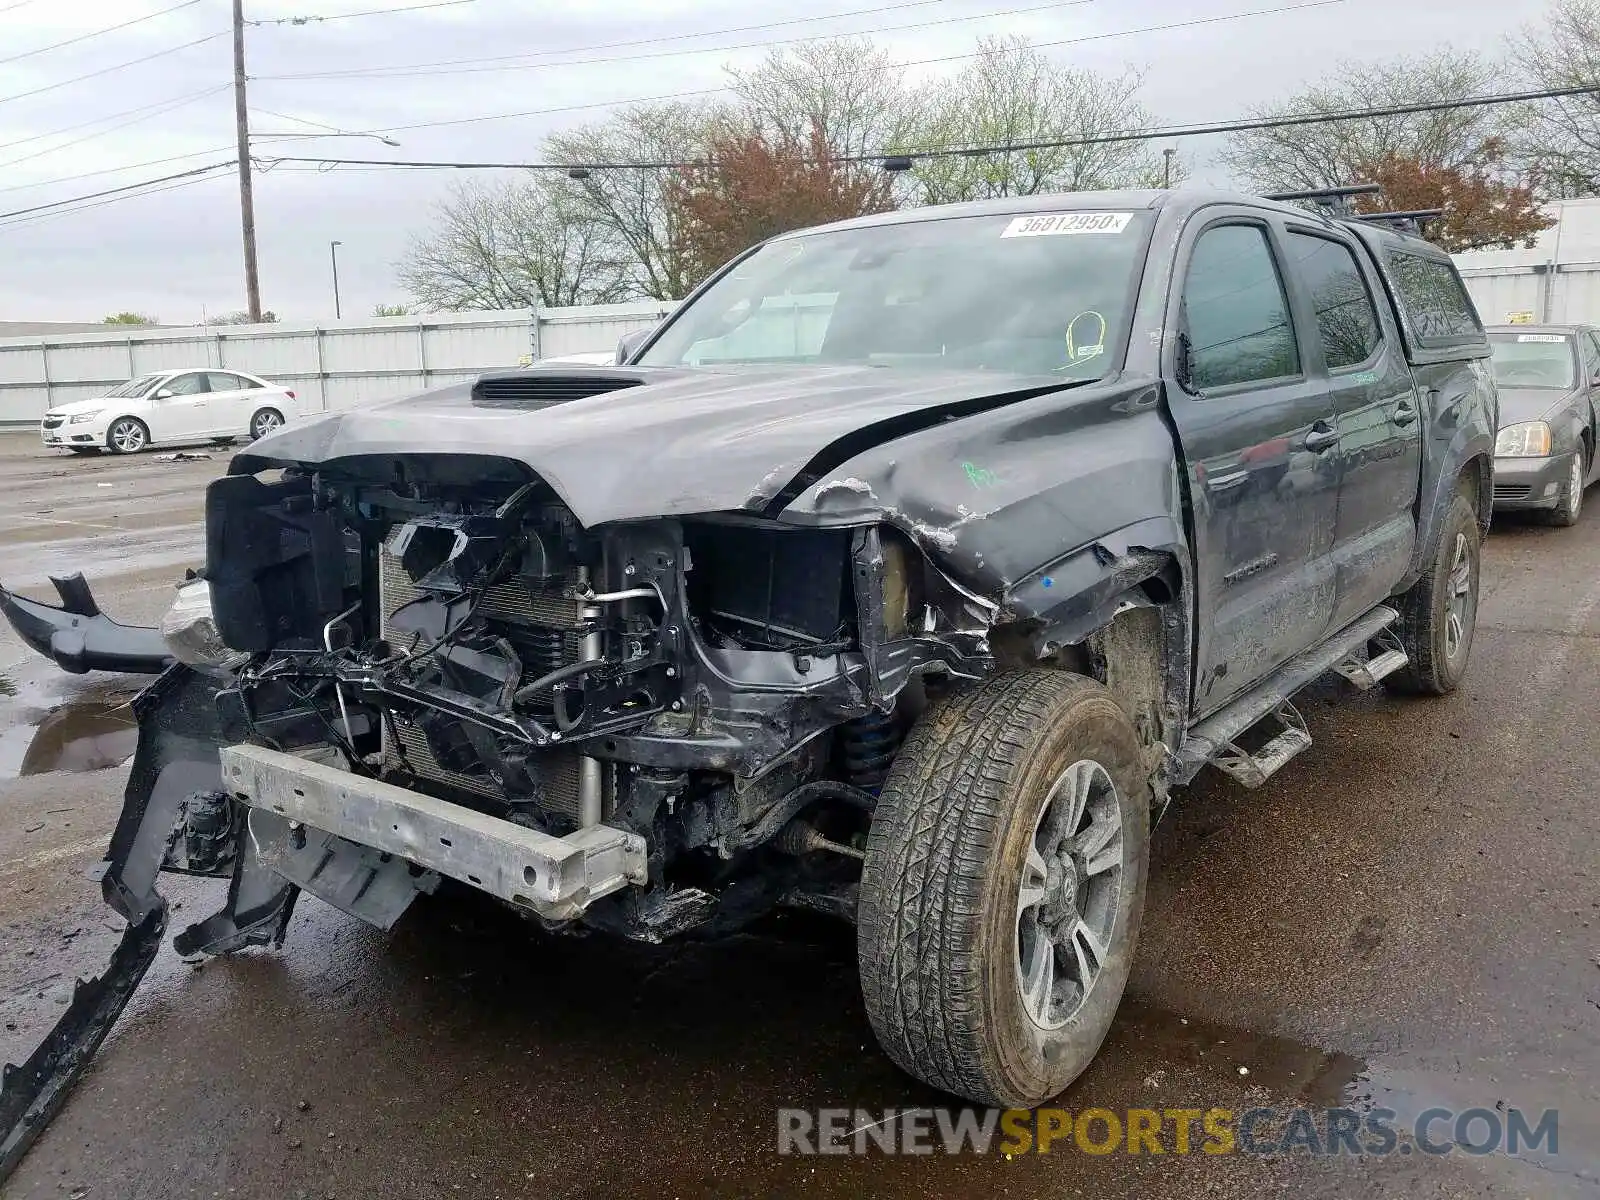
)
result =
(549, 620)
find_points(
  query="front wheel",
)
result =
(1570, 507)
(127, 435)
(1440, 613)
(1003, 886)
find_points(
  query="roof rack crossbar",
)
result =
(1411, 221)
(1329, 194)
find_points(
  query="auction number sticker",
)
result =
(1541, 337)
(1048, 224)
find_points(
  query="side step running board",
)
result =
(1364, 668)
(1254, 769)
(1214, 740)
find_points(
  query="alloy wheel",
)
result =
(128, 436)
(1067, 900)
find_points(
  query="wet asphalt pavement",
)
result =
(1407, 916)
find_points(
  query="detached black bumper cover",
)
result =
(177, 757)
(79, 637)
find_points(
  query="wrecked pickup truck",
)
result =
(901, 575)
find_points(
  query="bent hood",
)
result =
(1530, 404)
(667, 441)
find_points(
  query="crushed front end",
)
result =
(425, 668)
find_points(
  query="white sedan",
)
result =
(170, 408)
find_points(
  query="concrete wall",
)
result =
(334, 365)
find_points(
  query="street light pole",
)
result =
(333, 257)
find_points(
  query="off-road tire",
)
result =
(937, 923)
(1423, 627)
(1570, 506)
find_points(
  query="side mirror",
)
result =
(628, 345)
(165, 393)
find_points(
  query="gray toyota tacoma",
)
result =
(902, 575)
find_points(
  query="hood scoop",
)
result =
(539, 389)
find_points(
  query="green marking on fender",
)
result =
(979, 477)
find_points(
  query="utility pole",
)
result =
(333, 255)
(1166, 174)
(247, 203)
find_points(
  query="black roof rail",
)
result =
(1335, 201)
(1410, 221)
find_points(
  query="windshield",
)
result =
(1532, 359)
(135, 387)
(1039, 293)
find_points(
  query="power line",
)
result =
(921, 62)
(34, 137)
(371, 12)
(67, 212)
(84, 37)
(154, 162)
(19, 4)
(159, 111)
(116, 191)
(973, 151)
(876, 10)
(441, 69)
(50, 87)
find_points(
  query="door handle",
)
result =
(1404, 413)
(1321, 437)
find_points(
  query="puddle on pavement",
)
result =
(45, 728)
(1311, 1075)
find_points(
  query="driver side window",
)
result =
(1591, 357)
(1236, 312)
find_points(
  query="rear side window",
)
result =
(1347, 322)
(1235, 310)
(1436, 305)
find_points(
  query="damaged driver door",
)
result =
(1258, 434)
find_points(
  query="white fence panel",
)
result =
(593, 328)
(330, 366)
(1558, 294)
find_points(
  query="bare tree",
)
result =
(1013, 93)
(1559, 142)
(518, 243)
(1337, 153)
(631, 203)
(847, 87)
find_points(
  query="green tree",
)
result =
(240, 317)
(130, 318)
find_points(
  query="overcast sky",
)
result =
(177, 255)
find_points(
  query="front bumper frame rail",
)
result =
(556, 877)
